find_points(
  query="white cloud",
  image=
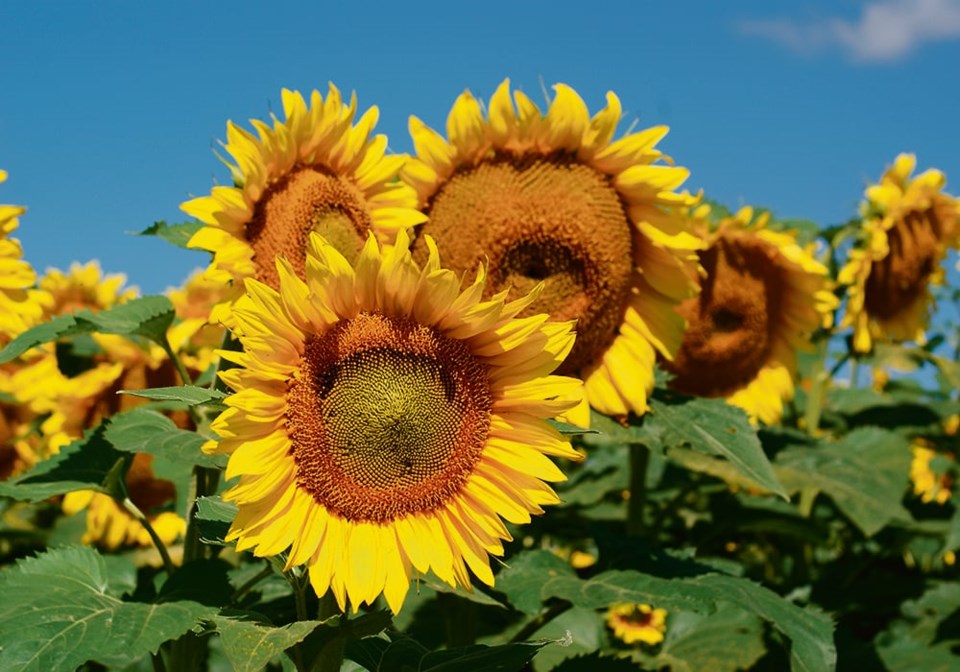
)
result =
(887, 30)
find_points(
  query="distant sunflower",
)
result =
(193, 337)
(111, 526)
(553, 198)
(929, 485)
(384, 420)
(83, 287)
(908, 225)
(761, 298)
(20, 305)
(313, 172)
(637, 623)
(76, 400)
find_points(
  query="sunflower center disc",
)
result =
(547, 219)
(899, 279)
(387, 417)
(308, 199)
(732, 322)
(637, 617)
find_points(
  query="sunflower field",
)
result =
(517, 401)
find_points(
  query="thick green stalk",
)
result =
(639, 460)
(818, 379)
(330, 657)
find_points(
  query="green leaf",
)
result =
(570, 430)
(402, 654)
(149, 317)
(523, 578)
(728, 640)
(57, 614)
(144, 431)
(810, 631)
(58, 327)
(610, 431)
(713, 427)
(206, 581)
(188, 394)
(85, 464)
(214, 517)
(577, 631)
(596, 662)
(865, 474)
(175, 234)
(250, 646)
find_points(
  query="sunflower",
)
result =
(83, 287)
(110, 525)
(908, 224)
(929, 485)
(384, 420)
(193, 337)
(761, 298)
(74, 400)
(635, 623)
(314, 171)
(553, 198)
(20, 305)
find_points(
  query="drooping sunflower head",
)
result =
(111, 526)
(637, 623)
(314, 171)
(20, 306)
(551, 198)
(908, 225)
(761, 297)
(385, 420)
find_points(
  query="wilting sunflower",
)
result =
(635, 623)
(761, 297)
(111, 526)
(553, 198)
(384, 420)
(908, 224)
(313, 172)
(20, 305)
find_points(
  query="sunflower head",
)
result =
(908, 225)
(84, 287)
(314, 171)
(21, 306)
(385, 420)
(550, 197)
(761, 297)
(637, 623)
(930, 485)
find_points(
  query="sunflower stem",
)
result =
(639, 460)
(527, 631)
(854, 371)
(459, 620)
(818, 377)
(185, 379)
(135, 511)
(250, 584)
(330, 657)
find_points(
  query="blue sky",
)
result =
(111, 109)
